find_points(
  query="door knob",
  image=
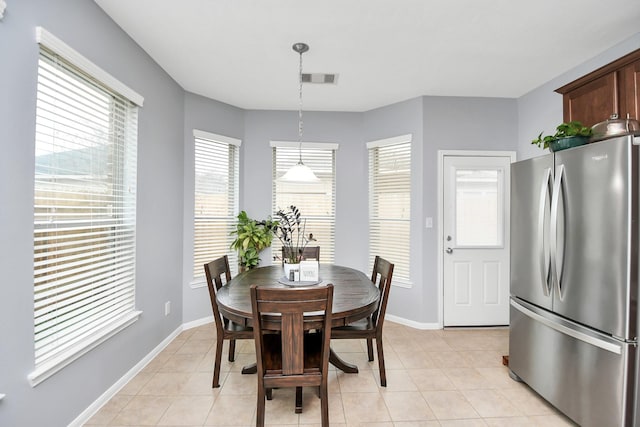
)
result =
(449, 250)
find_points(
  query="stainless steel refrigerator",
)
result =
(574, 280)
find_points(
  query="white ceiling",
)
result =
(385, 51)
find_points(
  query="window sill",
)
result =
(200, 282)
(402, 283)
(49, 368)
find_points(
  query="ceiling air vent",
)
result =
(320, 78)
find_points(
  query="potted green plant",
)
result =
(290, 229)
(251, 238)
(569, 134)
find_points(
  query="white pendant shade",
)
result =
(300, 173)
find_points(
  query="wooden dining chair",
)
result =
(309, 252)
(225, 328)
(292, 349)
(370, 328)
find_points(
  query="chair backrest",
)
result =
(309, 252)
(283, 309)
(381, 275)
(214, 271)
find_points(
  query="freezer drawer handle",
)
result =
(613, 348)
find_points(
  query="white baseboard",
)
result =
(114, 389)
(412, 323)
(196, 323)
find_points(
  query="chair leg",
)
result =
(324, 405)
(217, 362)
(269, 393)
(370, 349)
(260, 407)
(383, 374)
(298, 400)
(232, 350)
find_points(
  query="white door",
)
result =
(475, 240)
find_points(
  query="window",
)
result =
(479, 207)
(390, 203)
(216, 199)
(317, 202)
(85, 209)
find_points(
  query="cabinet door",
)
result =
(593, 102)
(630, 91)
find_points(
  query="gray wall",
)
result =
(211, 116)
(541, 109)
(81, 24)
(453, 123)
(386, 122)
(479, 123)
(351, 199)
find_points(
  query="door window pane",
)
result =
(479, 207)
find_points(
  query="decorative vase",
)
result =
(287, 270)
(568, 142)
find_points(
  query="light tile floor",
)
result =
(434, 378)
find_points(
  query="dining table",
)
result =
(354, 297)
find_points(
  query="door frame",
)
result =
(441, 155)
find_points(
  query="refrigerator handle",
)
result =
(556, 262)
(544, 262)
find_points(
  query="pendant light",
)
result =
(300, 173)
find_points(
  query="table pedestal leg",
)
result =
(250, 369)
(336, 361)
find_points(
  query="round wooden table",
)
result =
(354, 298)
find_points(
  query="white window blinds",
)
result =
(317, 202)
(390, 203)
(216, 199)
(85, 213)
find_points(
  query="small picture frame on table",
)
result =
(309, 271)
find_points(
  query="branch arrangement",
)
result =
(290, 229)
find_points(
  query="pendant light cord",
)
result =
(300, 172)
(300, 114)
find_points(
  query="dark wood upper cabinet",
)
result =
(611, 89)
(630, 95)
(593, 102)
